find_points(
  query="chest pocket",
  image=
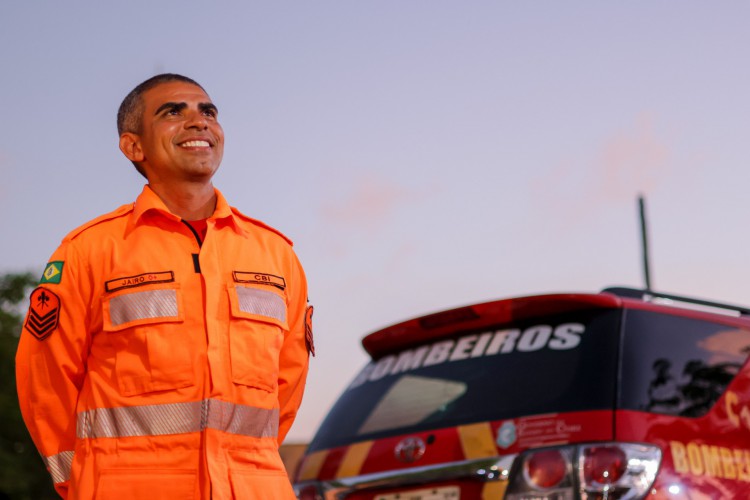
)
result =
(146, 327)
(256, 334)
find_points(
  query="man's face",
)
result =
(180, 137)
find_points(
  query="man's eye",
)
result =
(172, 112)
(210, 113)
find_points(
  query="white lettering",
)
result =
(567, 336)
(563, 337)
(503, 341)
(461, 351)
(361, 378)
(381, 368)
(409, 360)
(481, 344)
(534, 338)
(439, 353)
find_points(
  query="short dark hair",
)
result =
(131, 109)
(130, 113)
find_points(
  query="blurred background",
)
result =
(422, 155)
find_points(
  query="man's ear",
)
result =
(130, 145)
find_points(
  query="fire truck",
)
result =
(621, 394)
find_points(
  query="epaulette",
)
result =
(119, 212)
(258, 223)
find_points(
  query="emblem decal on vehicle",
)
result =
(410, 449)
(506, 435)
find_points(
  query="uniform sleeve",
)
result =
(51, 359)
(294, 356)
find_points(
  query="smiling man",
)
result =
(166, 348)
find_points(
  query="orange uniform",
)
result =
(155, 366)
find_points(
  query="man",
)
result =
(165, 351)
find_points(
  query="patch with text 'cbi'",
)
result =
(139, 280)
(44, 313)
(259, 279)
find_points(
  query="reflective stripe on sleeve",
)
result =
(178, 418)
(143, 305)
(261, 302)
(59, 466)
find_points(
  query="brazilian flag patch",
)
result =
(52, 273)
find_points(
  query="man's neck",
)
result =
(189, 201)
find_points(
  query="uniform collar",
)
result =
(148, 201)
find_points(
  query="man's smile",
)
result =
(195, 144)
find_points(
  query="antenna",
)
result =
(644, 241)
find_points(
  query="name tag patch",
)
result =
(139, 280)
(259, 279)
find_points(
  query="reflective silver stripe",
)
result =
(59, 466)
(150, 420)
(243, 420)
(143, 305)
(178, 418)
(261, 302)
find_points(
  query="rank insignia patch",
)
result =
(52, 273)
(44, 313)
(308, 330)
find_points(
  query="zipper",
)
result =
(196, 256)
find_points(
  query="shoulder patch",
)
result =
(52, 273)
(44, 313)
(119, 212)
(261, 224)
(309, 331)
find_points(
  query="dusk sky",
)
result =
(422, 155)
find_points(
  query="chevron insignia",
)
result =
(44, 313)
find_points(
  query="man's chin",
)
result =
(201, 173)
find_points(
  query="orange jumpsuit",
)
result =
(154, 366)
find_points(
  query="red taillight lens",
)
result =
(546, 469)
(604, 464)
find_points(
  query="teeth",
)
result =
(195, 144)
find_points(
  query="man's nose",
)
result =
(196, 119)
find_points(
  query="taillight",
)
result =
(543, 475)
(621, 471)
(546, 469)
(603, 464)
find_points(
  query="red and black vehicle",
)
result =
(624, 394)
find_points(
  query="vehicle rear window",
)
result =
(546, 365)
(678, 366)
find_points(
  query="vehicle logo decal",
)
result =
(506, 435)
(410, 449)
